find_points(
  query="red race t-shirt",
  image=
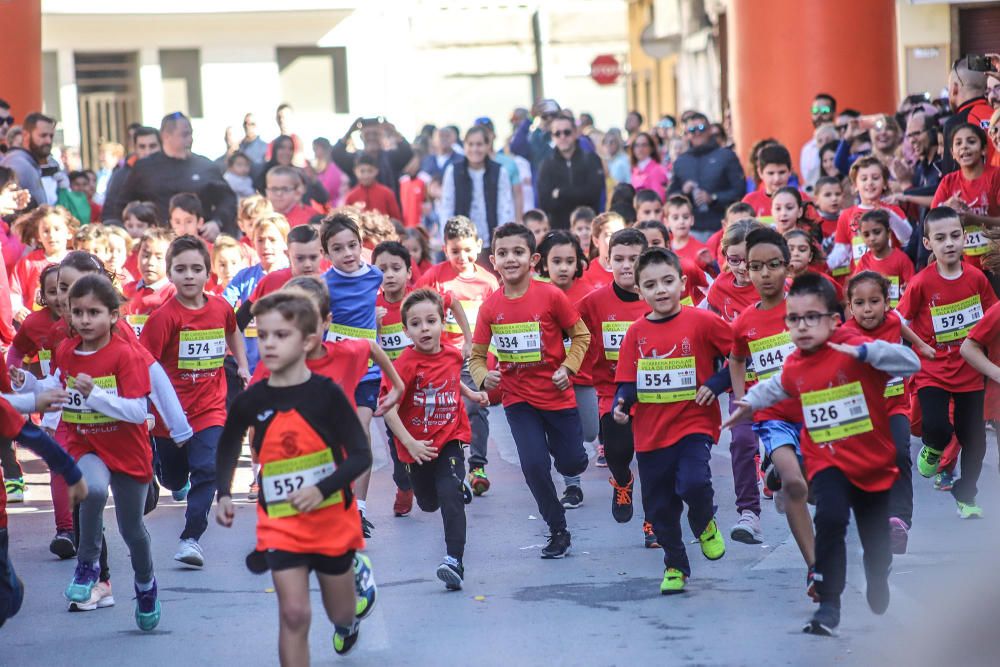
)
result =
(695, 252)
(696, 286)
(143, 300)
(761, 337)
(345, 362)
(191, 346)
(897, 267)
(470, 291)
(608, 317)
(941, 312)
(597, 275)
(116, 368)
(668, 360)
(849, 229)
(982, 196)
(528, 335)
(272, 282)
(431, 407)
(728, 299)
(897, 396)
(845, 425)
(26, 274)
(37, 336)
(985, 333)
(391, 335)
(576, 292)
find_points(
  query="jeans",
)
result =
(542, 436)
(901, 493)
(197, 460)
(672, 477)
(969, 428)
(586, 404)
(743, 452)
(11, 590)
(479, 421)
(438, 484)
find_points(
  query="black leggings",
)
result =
(901, 493)
(439, 485)
(969, 428)
(8, 460)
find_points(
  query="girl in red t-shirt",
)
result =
(49, 230)
(806, 256)
(732, 292)
(881, 257)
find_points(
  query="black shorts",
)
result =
(366, 395)
(331, 565)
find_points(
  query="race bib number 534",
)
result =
(517, 343)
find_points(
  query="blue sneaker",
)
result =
(181, 494)
(84, 579)
(147, 608)
(364, 586)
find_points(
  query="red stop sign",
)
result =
(605, 70)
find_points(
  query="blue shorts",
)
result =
(366, 395)
(774, 433)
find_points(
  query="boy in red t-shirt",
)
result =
(696, 282)
(285, 189)
(942, 303)
(774, 169)
(189, 334)
(840, 380)
(526, 322)
(431, 426)
(680, 218)
(371, 194)
(666, 365)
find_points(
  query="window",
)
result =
(181, 71)
(314, 79)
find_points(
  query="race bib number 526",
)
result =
(836, 413)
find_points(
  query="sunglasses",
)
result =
(822, 109)
(696, 129)
(562, 133)
(9, 120)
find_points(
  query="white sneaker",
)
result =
(100, 598)
(779, 501)
(747, 529)
(189, 552)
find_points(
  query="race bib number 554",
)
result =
(666, 380)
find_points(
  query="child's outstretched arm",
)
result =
(974, 353)
(927, 351)
(892, 358)
(761, 395)
(382, 360)
(420, 450)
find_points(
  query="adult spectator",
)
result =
(619, 166)
(284, 117)
(146, 141)
(709, 174)
(647, 172)
(478, 187)
(633, 123)
(570, 176)
(6, 122)
(919, 180)
(823, 110)
(232, 148)
(252, 145)
(37, 171)
(510, 167)
(158, 177)
(994, 136)
(533, 140)
(284, 153)
(442, 155)
(993, 89)
(967, 96)
(391, 161)
(326, 172)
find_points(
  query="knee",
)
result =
(832, 518)
(96, 495)
(296, 615)
(796, 490)
(427, 504)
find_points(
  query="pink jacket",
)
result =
(652, 177)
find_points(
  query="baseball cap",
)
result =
(547, 106)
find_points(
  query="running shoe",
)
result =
(100, 598)
(558, 546)
(927, 460)
(824, 622)
(62, 545)
(602, 462)
(189, 552)
(811, 584)
(648, 536)
(181, 494)
(366, 526)
(452, 573)
(747, 529)
(404, 502)
(479, 481)
(15, 490)
(944, 481)
(572, 497)
(899, 535)
(253, 492)
(147, 608)
(969, 510)
(84, 580)
(877, 592)
(673, 582)
(364, 586)
(712, 544)
(466, 492)
(344, 639)
(621, 500)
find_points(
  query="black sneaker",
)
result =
(344, 639)
(366, 526)
(558, 545)
(62, 545)
(772, 479)
(452, 573)
(621, 501)
(877, 593)
(572, 497)
(824, 622)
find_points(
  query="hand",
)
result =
(244, 374)
(77, 492)
(22, 198)
(51, 400)
(483, 398)
(688, 187)
(850, 350)
(927, 351)
(467, 349)
(743, 413)
(306, 499)
(901, 170)
(702, 198)
(225, 512)
(956, 203)
(561, 378)
(492, 380)
(210, 231)
(619, 414)
(380, 312)
(421, 450)
(21, 314)
(705, 396)
(84, 384)
(16, 376)
(386, 402)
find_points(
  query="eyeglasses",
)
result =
(9, 120)
(562, 133)
(772, 265)
(734, 261)
(696, 129)
(811, 319)
(641, 144)
(280, 191)
(841, 128)
(822, 109)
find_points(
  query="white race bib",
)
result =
(952, 321)
(770, 354)
(74, 411)
(137, 322)
(393, 340)
(517, 343)
(976, 243)
(202, 349)
(282, 478)
(612, 334)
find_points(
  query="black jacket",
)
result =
(716, 170)
(113, 203)
(390, 163)
(157, 178)
(579, 181)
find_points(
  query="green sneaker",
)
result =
(344, 639)
(969, 510)
(15, 489)
(673, 582)
(712, 544)
(364, 586)
(927, 461)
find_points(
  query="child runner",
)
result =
(648, 206)
(430, 426)
(186, 216)
(734, 212)
(581, 223)
(680, 218)
(189, 334)
(696, 282)
(153, 287)
(311, 446)
(941, 304)
(119, 250)
(664, 365)
(49, 231)
(228, 259)
(805, 256)
(526, 322)
(598, 272)
(840, 381)
(881, 257)
(774, 169)
(536, 220)
(733, 292)
(828, 194)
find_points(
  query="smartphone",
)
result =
(370, 122)
(978, 63)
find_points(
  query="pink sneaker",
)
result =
(898, 535)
